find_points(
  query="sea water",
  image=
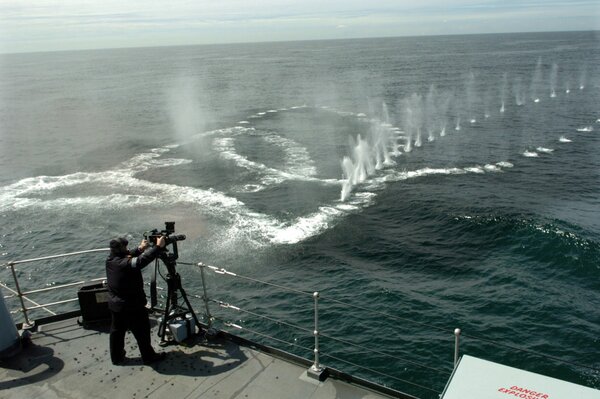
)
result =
(418, 184)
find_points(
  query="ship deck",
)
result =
(65, 360)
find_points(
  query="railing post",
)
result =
(27, 324)
(205, 296)
(456, 345)
(316, 371)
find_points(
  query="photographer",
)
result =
(127, 299)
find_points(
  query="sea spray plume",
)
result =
(371, 153)
(417, 107)
(381, 140)
(431, 115)
(381, 136)
(185, 110)
(443, 106)
(358, 167)
(416, 121)
(471, 97)
(503, 89)
(518, 91)
(583, 77)
(536, 81)
(457, 113)
(486, 103)
(553, 80)
(408, 123)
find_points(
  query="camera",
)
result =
(153, 235)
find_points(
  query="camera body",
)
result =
(153, 235)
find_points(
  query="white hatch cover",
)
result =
(480, 379)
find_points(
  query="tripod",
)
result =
(173, 309)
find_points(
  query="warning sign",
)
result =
(476, 378)
(523, 393)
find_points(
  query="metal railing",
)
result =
(23, 295)
(314, 297)
(316, 368)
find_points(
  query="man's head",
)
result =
(118, 246)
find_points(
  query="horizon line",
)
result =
(125, 47)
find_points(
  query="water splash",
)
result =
(536, 82)
(503, 89)
(583, 77)
(518, 91)
(553, 80)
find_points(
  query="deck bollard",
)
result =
(456, 344)
(316, 371)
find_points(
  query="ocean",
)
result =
(419, 184)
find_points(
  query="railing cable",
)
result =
(343, 341)
(381, 373)
(238, 327)
(445, 330)
(37, 305)
(228, 306)
(530, 351)
(220, 270)
(399, 318)
(18, 262)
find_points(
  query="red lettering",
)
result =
(523, 393)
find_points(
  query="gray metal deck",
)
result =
(67, 361)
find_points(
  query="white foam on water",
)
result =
(298, 160)
(226, 148)
(243, 123)
(545, 150)
(474, 169)
(586, 129)
(305, 226)
(505, 164)
(563, 139)
(492, 168)
(249, 188)
(272, 111)
(537, 100)
(530, 154)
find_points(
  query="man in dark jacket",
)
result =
(127, 299)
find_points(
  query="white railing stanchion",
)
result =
(316, 370)
(456, 345)
(205, 296)
(27, 324)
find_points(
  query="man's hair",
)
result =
(118, 246)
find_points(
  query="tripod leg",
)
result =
(189, 305)
(162, 330)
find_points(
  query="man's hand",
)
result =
(161, 242)
(143, 245)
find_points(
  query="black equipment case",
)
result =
(93, 301)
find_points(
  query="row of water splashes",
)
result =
(424, 117)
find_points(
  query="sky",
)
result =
(49, 25)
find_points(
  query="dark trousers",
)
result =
(138, 323)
